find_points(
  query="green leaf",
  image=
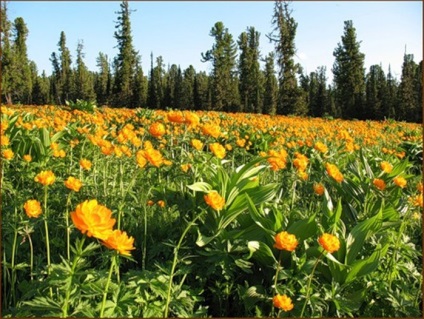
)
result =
(261, 252)
(200, 187)
(304, 228)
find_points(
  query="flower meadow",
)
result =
(154, 213)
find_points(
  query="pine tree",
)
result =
(349, 74)
(202, 92)
(408, 91)
(270, 86)
(126, 60)
(103, 80)
(290, 96)
(41, 90)
(249, 71)
(225, 94)
(390, 100)
(187, 98)
(317, 94)
(84, 83)
(156, 92)
(6, 55)
(376, 90)
(139, 87)
(419, 89)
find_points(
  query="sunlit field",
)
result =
(150, 213)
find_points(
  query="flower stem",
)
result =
(309, 284)
(276, 279)
(174, 263)
(46, 227)
(112, 264)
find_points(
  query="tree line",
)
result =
(237, 83)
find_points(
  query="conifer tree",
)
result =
(84, 84)
(61, 82)
(202, 91)
(6, 54)
(103, 80)
(290, 96)
(349, 74)
(156, 92)
(225, 94)
(408, 91)
(270, 86)
(126, 61)
(187, 98)
(41, 90)
(139, 87)
(390, 100)
(376, 90)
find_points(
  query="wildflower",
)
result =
(329, 242)
(417, 200)
(157, 129)
(197, 144)
(85, 164)
(5, 141)
(141, 160)
(8, 154)
(119, 241)
(153, 156)
(319, 189)
(285, 241)
(45, 178)
(214, 200)
(161, 203)
(73, 184)
(218, 150)
(303, 175)
(277, 160)
(185, 167)
(191, 119)
(400, 181)
(386, 167)
(150, 202)
(420, 187)
(379, 183)
(282, 302)
(32, 208)
(94, 219)
(334, 172)
(176, 117)
(321, 147)
(27, 158)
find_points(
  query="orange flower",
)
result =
(197, 144)
(185, 167)
(329, 242)
(191, 119)
(8, 154)
(282, 302)
(417, 200)
(319, 188)
(400, 181)
(73, 184)
(32, 208)
(85, 164)
(321, 147)
(218, 150)
(27, 158)
(211, 130)
(150, 202)
(141, 160)
(45, 178)
(285, 241)
(420, 187)
(4, 140)
(334, 172)
(379, 183)
(161, 203)
(119, 241)
(386, 167)
(153, 156)
(277, 160)
(94, 219)
(214, 200)
(157, 129)
(176, 117)
(301, 161)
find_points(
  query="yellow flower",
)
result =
(119, 241)
(153, 156)
(386, 167)
(4, 140)
(161, 203)
(321, 147)
(85, 164)
(334, 172)
(94, 219)
(211, 130)
(319, 188)
(45, 178)
(73, 184)
(417, 200)
(8, 154)
(329, 242)
(285, 241)
(157, 129)
(191, 119)
(218, 150)
(197, 144)
(176, 117)
(379, 183)
(27, 158)
(282, 302)
(185, 167)
(32, 208)
(214, 200)
(400, 181)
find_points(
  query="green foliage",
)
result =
(82, 105)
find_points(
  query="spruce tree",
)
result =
(376, 90)
(202, 91)
(103, 80)
(270, 86)
(349, 74)
(390, 100)
(290, 96)
(408, 91)
(6, 54)
(139, 87)
(187, 91)
(225, 95)
(41, 90)
(65, 70)
(126, 61)
(84, 83)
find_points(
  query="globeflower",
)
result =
(329, 242)
(386, 167)
(85, 164)
(379, 183)
(27, 158)
(334, 172)
(400, 181)
(94, 219)
(282, 302)
(218, 150)
(45, 178)
(321, 147)
(157, 129)
(73, 184)
(32, 208)
(8, 154)
(214, 200)
(119, 241)
(285, 241)
(197, 144)
(319, 189)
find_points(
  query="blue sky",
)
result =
(179, 30)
